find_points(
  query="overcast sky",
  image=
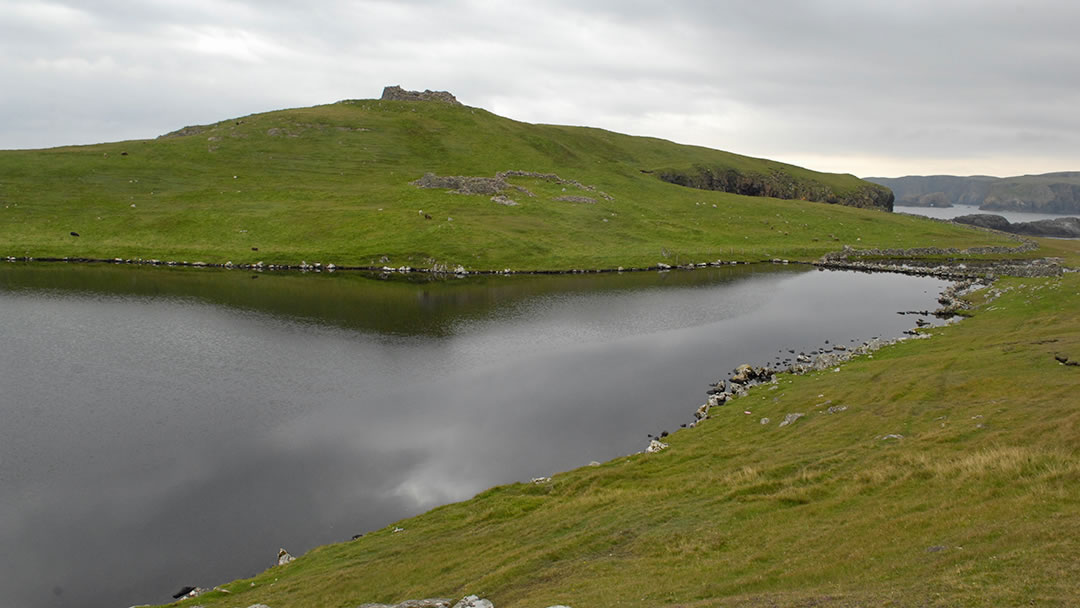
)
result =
(860, 86)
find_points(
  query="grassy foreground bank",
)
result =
(952, 478)
(332, 184)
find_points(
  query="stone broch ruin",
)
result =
(396, 93)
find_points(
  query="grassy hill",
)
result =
(974, 504)
(950, 479)
(332, 184)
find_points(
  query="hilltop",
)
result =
(341, 183)
(1047, 193)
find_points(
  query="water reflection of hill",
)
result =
(405, 305)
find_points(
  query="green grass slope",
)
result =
(332, 184)
(976, 503)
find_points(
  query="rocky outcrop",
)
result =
(791, 418)
(655, 445)
(778, 183)
(1062, 227)
(396, 93)
(576, 199)
(464, 184)
(461, 184)
(905, 261)
(283, 557)
(984, 220)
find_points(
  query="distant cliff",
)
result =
(783, 181)
(1047, 193)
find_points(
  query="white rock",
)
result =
(791, 418)
(283, 557)
(471, 601)
(655, 446)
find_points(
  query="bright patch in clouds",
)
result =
(237, 45)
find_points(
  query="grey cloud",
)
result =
(794, 78)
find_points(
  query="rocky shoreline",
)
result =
(905, 261)
(442, 270)
(884, 260)
(469, 601)
(829, 356)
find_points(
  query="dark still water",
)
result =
(160, 428)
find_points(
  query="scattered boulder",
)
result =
(747, 375)
(502, 200)
(576, 199)
(472, 601)
(283, 557)
(790, 418)
(183, 592)
(743, 374)
(702, 412)
(655, 445)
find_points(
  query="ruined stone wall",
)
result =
(396, 93)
